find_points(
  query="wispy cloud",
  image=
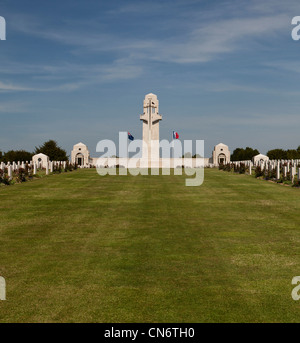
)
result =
(208, 36)
(12, 87)
(220, 87)
(13, 107)
(66, 76)
(215, 57)
(290, 66)
(203, 39)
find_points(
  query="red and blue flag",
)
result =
(130, 137)
(175, 135)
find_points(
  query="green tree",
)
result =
(292, 154)
(277, 154)
(16, 155)
(52, 150)
(241, 154)
(280, 154)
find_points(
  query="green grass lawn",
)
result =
(78, 247)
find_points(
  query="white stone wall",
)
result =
(221, 151)
(260, 158)
(80, 150)
(41, 160)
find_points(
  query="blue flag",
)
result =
(130, 137)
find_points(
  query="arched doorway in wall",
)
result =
(79, 159)
(221, 159)
(40, 162)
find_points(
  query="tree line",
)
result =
(280, 154)
(49, 148)
(241, 154)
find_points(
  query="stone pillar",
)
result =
(151, 119)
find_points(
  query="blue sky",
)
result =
(223, 71)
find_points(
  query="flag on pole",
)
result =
(130, 137)
(175, 135)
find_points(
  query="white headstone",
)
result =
(278, 171)
(284, 171)
(9, 172)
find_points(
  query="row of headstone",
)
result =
(18, 165)
(13, 167)
(283, 167)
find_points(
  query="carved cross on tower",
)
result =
(151, 118)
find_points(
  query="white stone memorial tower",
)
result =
(150, 118)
